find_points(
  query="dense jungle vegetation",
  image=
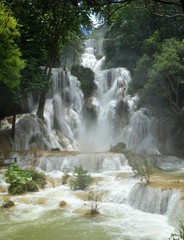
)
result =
(145, 37)
(152, 48)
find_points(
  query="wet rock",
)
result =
(8, 204)
(3, 189)
(62, 204)
(55, 149)
(118, 148)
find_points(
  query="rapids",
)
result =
(38, 215)
(128, 211)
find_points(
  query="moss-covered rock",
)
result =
(21, 180)
(119, 148)
(86, 78)
(38, 177)
(32, 187)
(8, 203)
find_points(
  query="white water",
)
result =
(65, 128)
(118, 220)
(68, 128)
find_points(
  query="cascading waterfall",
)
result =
(94, 163)
(117, 119)
(69, 128)
(63, 109)
(129, 210)
(150, 199)
(117, 220)
(175, 211)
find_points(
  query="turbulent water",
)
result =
(38, 215)
(68, 126)
(128, 211)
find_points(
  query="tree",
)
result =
(125, 37)
(143, 168)
(47, 27)
(165, 84)
(159, 7)
(11, 63)
(128, 30)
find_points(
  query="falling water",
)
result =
(128, 209)
(117, 121)
(67, 125)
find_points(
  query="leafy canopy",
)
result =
(10, 59)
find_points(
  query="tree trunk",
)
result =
(182, 5)
(48, 68)
(12, 134)
(41, 105)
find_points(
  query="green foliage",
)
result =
(140, 74)
(179, 236)
(71, 51)
(17, 178)
(142, 167)
(125, 38)
(46, 28)
(10, 59)
(23, 180)
(86, 78)
(38, 177)
(81, 179)
(165, 84)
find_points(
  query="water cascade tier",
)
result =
(97, 122)
(128, 208)
(40, 215)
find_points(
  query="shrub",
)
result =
(143, 168)
(94, 200)
(179, 236)
(81, 179)
(38, 178)
(17, 178)
(23, 180)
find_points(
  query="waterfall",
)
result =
(175, 210)
(117, 118)
(150, 199)
(31, 133)
(94, 163)
(69, 127)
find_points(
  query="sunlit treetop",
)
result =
(10, 61)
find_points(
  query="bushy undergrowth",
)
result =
(22, 181)
(142, 166)
(81, 179)
(179, 236)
